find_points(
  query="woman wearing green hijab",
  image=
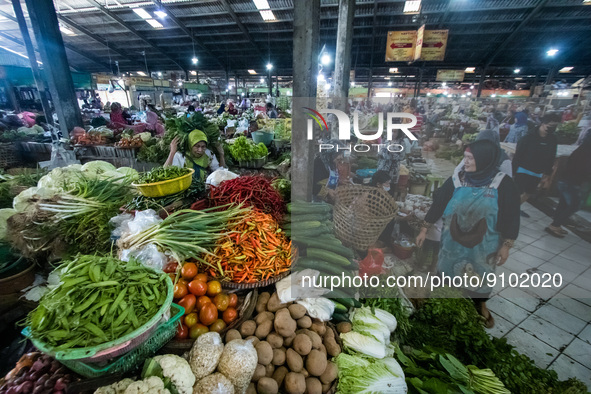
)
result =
(198, 157)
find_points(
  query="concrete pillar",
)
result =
(9, 90)
(41, 88)
(550, 76)
(481, 81)
(418, 93)
(55, 63)
(306, 35)
(342, 63)
(532, 88)
(270, 83)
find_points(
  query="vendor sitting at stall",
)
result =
(198, 157)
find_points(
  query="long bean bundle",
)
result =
(187, 234)
(99, 299)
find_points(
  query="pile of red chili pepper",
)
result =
(250, 190)
(255, 250)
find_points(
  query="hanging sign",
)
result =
(140, 81)
(434, 45)
(400, 46)
(419, 43)
(450, 75)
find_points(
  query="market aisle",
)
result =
(550, 325)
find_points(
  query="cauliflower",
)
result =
(151, 385)
(178, 370)
(116, 388)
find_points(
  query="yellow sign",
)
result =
(450, 75)
(400, 46)
(140, 81)
(102, 79)
(419, 43)
(434, 45)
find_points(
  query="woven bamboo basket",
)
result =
(361, 214)
(9, 155)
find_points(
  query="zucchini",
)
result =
(339, 308)
(340, 318)
(326, 255)
(320, 266)
(331, 247)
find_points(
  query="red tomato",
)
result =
(233, 300)
(201, 301)
(171, 268)
(214, 287)
(197, 287)
(191, 319)
(182, 332)
(230, 315)
(189, 271)
(208, 314)
(197, 330)
(201, 277)
(188, 302)
(180, 290)
(221, 301)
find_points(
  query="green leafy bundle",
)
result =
(160, 174)
(98, 300)
(244, 149)
(12, 185)
(182, 126)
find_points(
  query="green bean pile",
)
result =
(160, 174)
(99, 299)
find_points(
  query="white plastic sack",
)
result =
(220, 175)
(148, 255)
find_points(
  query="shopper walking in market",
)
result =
(569, 185)
(330, 171)
(534, 157)
(198, 157)
(390, 161)
(480, 210)
(519, 128)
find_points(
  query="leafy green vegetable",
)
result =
(12, 185)
(160, 174)
(153, 151)
(245, 149)
(361, 375)
(182, 126)
(283, 186)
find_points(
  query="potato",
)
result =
(294, 360)
(319, 327)
(247, 328)
(262, 302)
(323, 349)
(253, 339)
(305, 322)
(274, 304)
(267, 386)
(270, 370)
(279, 375)
(302, 344)
(232, 334)
(344, 327)
(259, 372)
(295, 383)
(278, 356)
(297, 311)
(275, 340)
(332, 347)
(316, 340)
(251, 389)
(263, 316)
(284, 324)
(326, 387)
(316, 362)
(305, 373)
(330, 373)
(313, 386)
(264, 329)
(264, 352)
(329, 333)
(289, 340)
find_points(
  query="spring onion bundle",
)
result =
(187, 234)
(99, 299)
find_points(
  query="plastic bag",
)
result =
(290, 288)
(373, 263)
(220, 175)
(148, 255)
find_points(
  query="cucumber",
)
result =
(308, 217)
(337, 294)
(309, 209)
(339, 308)
(320, 266)
(309, 225)
(340, 318)
(347, 302)
(326, 255)
(313, 232)
(331, 247)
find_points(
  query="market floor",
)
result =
(552, 325)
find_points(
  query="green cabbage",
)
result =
(98, 167)
(129, 172)
(366, 323)
(23, 202)
(386, 317)
(4, 215)
(364, 344)
(358, 375)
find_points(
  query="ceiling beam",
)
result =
(490, 57)
(135, 32)
(242, 28)
(99, 39)
(184, 28)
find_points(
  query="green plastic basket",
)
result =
(108, 350)
(163, 334)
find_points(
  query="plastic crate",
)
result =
(163, 334)
(108, 350)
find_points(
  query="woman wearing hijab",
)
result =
(116, 116)
(153, 123)
(390, 161)
(504, 160)
(221, 109)
(198, 157)
(519, 128)
(329, 171)
(480, 210)
(232, 110)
